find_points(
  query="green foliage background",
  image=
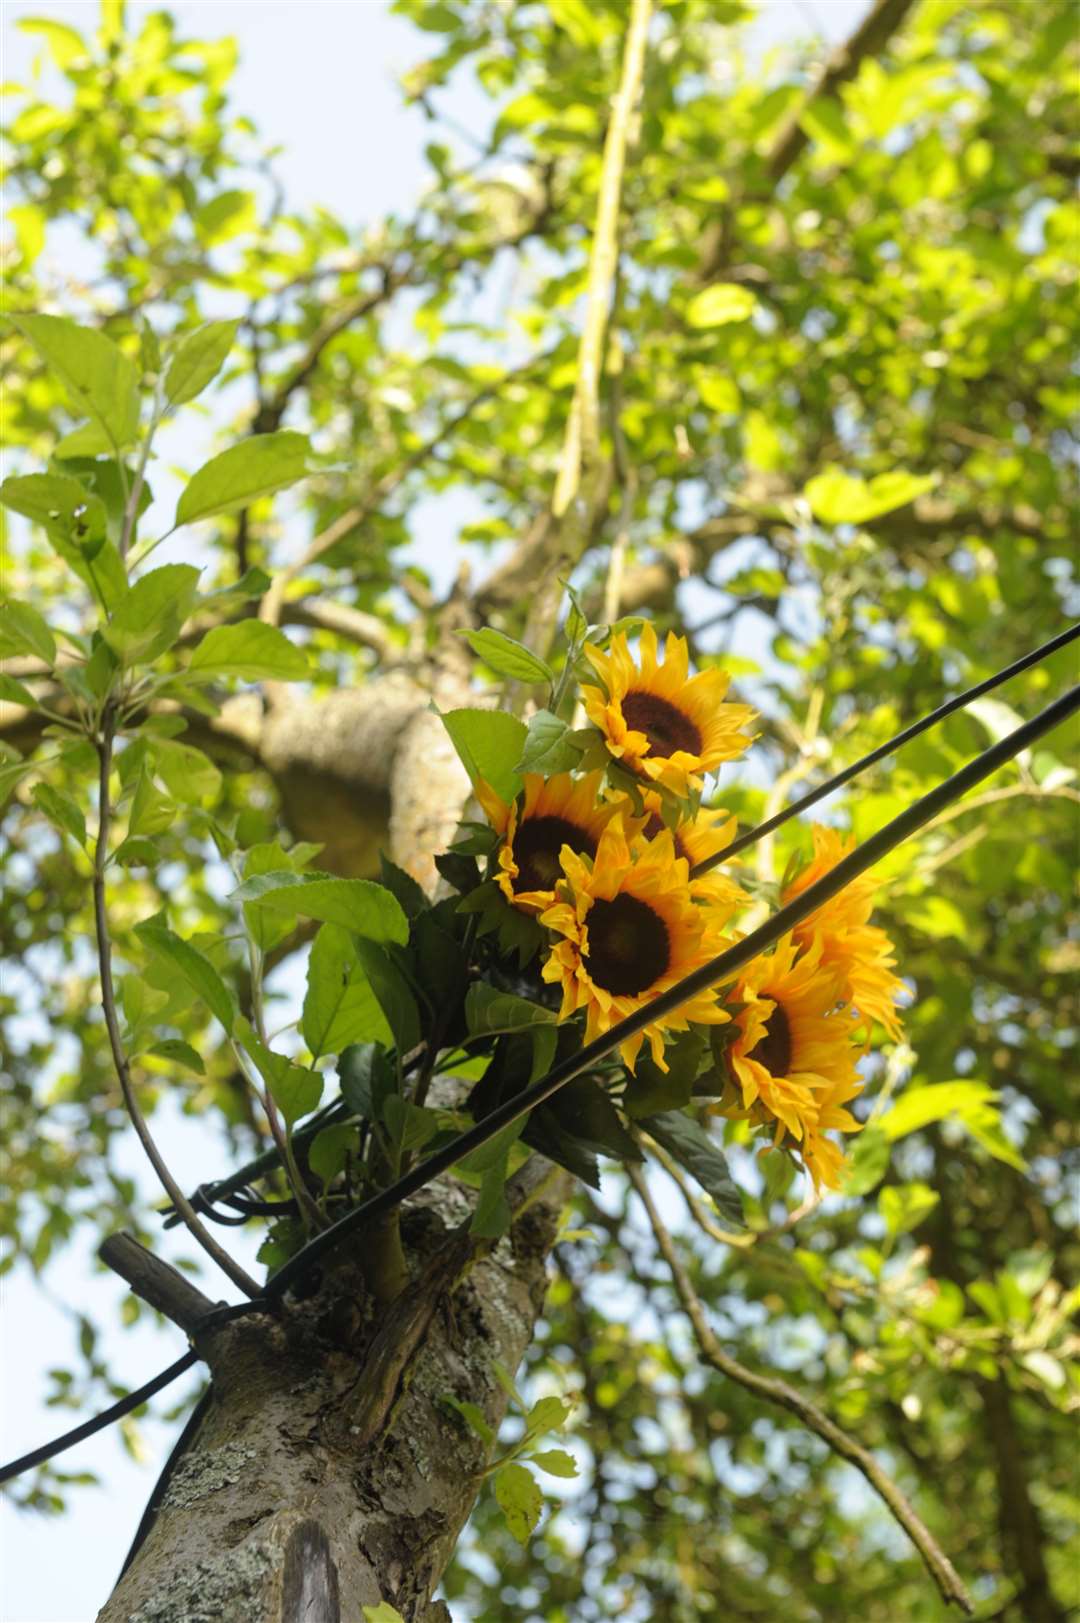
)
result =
(840, 403)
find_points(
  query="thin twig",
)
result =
(112, 1025)
(697, 1209)
(991, 797)
(778, 1392)
(278, 1130)
(131, 506)
(345, 523)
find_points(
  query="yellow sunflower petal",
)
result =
(630, 929)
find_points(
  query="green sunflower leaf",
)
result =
(360, 905)
(550, 746)
(489, 744)
(340, 1007)
(488, 1011)
(696, 1151)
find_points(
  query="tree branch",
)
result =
(112, 1025)
(346, 522)
(870, 38)
(155, 1281)
(778, 1392)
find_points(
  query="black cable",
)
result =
(838, 780)
(221, 1314)
(721, 968)
(718, 969)
(38, 1456)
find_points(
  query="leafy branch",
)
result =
(773, 1390)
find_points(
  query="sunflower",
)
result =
(860, 950)
(553, 813)
(661, 723)
(793, 1059)
(703, 836)
(629, 929)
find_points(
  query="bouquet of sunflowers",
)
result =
(606, 877)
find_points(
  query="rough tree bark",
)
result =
(327, 1474)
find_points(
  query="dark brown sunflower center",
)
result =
(655, 826)
(774, 1049)
(629, 947)
(666, 728)
(537, 844)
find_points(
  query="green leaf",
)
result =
(489, 743)
(66, 45)
(699, 1154)
(329, 1150)
(151, 811)
(556, 1462)
(383, 1613)
(252, 583)
(839, 498)
(252, 650)
(720, 304)
(58, 504)
(256, 467)
(360, 905)
(489, 1011)
(824, 122)
(904, 1206)
(186, 772)
(198, 361)
(99, 379)
(403, 886)
(651, 1091)
(549, 747)
(23, 629)
(10, 776)
(473, 1416)
(198, 971)
(137, 852)
(972, 1104)
(410, 1126)
(340, 1006)
(583, 1109)
(227, 215)
(148, 618)
(13, 692)
(508, 657)
(520, 1500)
(517, 931)
(492, 1216)
(179, 1053)
(868, 1163)
(295, 1090)
(491, 1154)
(366, 1073)
(61, 809)
(547, 1414)
(391, 990)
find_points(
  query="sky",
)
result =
(320, 78)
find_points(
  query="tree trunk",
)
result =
(327, 1474)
